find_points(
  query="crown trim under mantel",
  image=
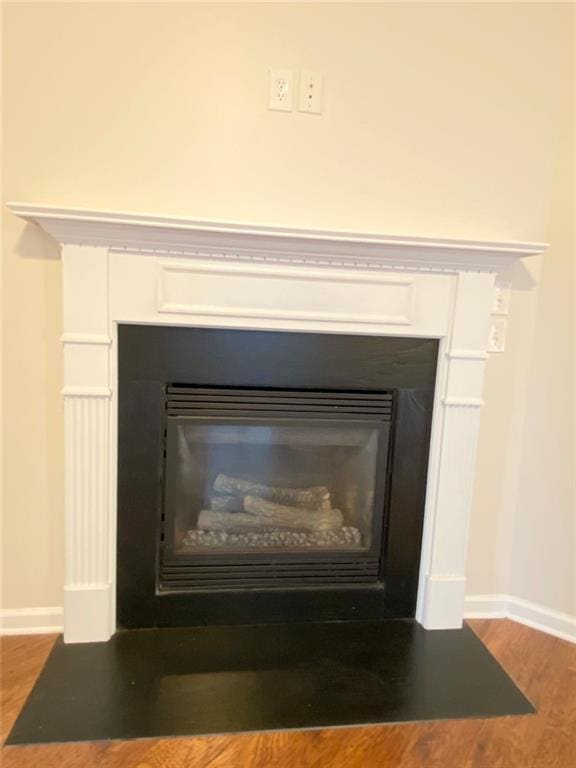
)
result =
(147, 233)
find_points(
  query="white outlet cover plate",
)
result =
(497, 340)
(310, 95)
(281, 90)
(502, 296)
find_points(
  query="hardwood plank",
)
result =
(535, 661)
(557, 742)
(22, 659)
(543, 666)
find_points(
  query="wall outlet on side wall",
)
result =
(497, 340)
(281, 90)
(310, 95)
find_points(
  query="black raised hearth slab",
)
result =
(175, 682)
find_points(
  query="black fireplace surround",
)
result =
(270, 476)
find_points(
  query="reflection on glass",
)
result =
(246, 487)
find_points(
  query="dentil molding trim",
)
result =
(227, 240)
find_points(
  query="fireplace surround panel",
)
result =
(270, 476)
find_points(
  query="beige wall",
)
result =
(544, 553)
(523, 535)
(440, 120)
(32, 509)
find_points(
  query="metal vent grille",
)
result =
(274, 573)
(187, 401)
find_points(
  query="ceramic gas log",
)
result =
(241, 504)
(226, 503)
(261, 513)
(311, 498)
(222, 503)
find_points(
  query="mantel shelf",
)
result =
(146, 233)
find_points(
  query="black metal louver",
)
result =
(275, 572)
(188, 401)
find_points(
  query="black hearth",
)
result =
(270, 476)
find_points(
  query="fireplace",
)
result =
(128, 278)
(270, 476)
(269, 488)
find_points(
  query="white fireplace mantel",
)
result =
(169, 235)
(134, 268)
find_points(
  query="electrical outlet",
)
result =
(310, 96)
(502, 295)
(497, 340)
(281, 90)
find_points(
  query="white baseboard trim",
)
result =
(36, 621)
(486, 606)
(31, 621)
(539, 617)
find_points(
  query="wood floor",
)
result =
(543, 667)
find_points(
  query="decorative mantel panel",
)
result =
(164, 271)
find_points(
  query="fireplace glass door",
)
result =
(261, 477)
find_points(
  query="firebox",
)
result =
(272, 488)
(270, 476)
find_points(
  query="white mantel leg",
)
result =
(441, 604)
(88, 594)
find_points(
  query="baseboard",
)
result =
(539, 617)
(36, 621)
(486, 606)
(31, 621)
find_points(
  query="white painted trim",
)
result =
(72, 391)
(242, 312)
(279, 272)
(444, 599)
(113, 268)
(466, 354)
(31, 621)
(486, 606)
(87, 613)
(147, 233)
(463, 402)
(285, 273)
(86, 338)
(536, 616)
